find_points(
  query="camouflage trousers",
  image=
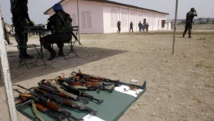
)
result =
(188, 27)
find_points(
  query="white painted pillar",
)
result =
(6, 75)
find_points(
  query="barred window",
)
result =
(86, 19)
(124, 19)
(74, 19)
(114, 18)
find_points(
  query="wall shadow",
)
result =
(86, 55)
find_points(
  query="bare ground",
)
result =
(180, 86)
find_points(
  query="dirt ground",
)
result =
(180, 86)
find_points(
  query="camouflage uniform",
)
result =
(131, 27)
(118, 26)
(189, 18)
(20, 17)
(59, 34)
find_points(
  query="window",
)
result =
(74, 19)
(163, 22)
(86, 19)
(124, 19)
(114, 18)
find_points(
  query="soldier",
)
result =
(59, 33)
(131, 27)
(6, 32)
(118, 26)
(189, 18)
(20, 17)
(140, 26)
(147, 27)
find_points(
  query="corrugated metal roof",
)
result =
(115, 3)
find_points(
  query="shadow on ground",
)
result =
(86, 55)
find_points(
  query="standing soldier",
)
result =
(147, 27)
(189, 18)
(6, 32)
(131, 27)
(139, 25)
(118, 26)
(19, 17)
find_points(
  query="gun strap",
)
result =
(72, 33)
(62, 90)
(35, 111)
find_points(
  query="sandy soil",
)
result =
(180, 86)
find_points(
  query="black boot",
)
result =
(53, 54)
(60, 53)
(23, 54)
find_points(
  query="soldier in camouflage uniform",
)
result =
(20, 19)
(59, 34)
(189, 18)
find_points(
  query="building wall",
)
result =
(95, 17)
(114, 13)
(91, 17)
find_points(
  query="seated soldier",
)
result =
(59, 34)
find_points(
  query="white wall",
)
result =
(95, 17)
(96, 11)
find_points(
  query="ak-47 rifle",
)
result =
(24, 100)
(97, 78)
(79, 92)
(64, 101)
(86, 84)
(102, 79)
(63, 93)
(47, 103)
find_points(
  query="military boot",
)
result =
(23, 54)
(53, 54)
(60, 53)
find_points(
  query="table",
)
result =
(41, 30)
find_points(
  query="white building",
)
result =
(101, 16)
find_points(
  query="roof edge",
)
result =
(114, 3)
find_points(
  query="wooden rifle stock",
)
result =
(49, 112)
(66, 102)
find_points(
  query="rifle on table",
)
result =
(63, 93)
(84, 84)
(97, 78)
(24, 99)
(64, 101)
(102, 79)
(79, 92)
(47, 103)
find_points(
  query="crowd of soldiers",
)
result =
(142, 27)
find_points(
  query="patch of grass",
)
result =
(201, 38)
(201, 64)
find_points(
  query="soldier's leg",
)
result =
(190, 30)
(46, 43)
(185, 30)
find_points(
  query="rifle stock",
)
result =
(47, 103)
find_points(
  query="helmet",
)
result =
(57, 7)
(192, 9)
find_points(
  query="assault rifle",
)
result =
(84, 84)
(47, 103)
(102, 79)
(61, 92)
(64, 101)
(24, 100)
(79, 92)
